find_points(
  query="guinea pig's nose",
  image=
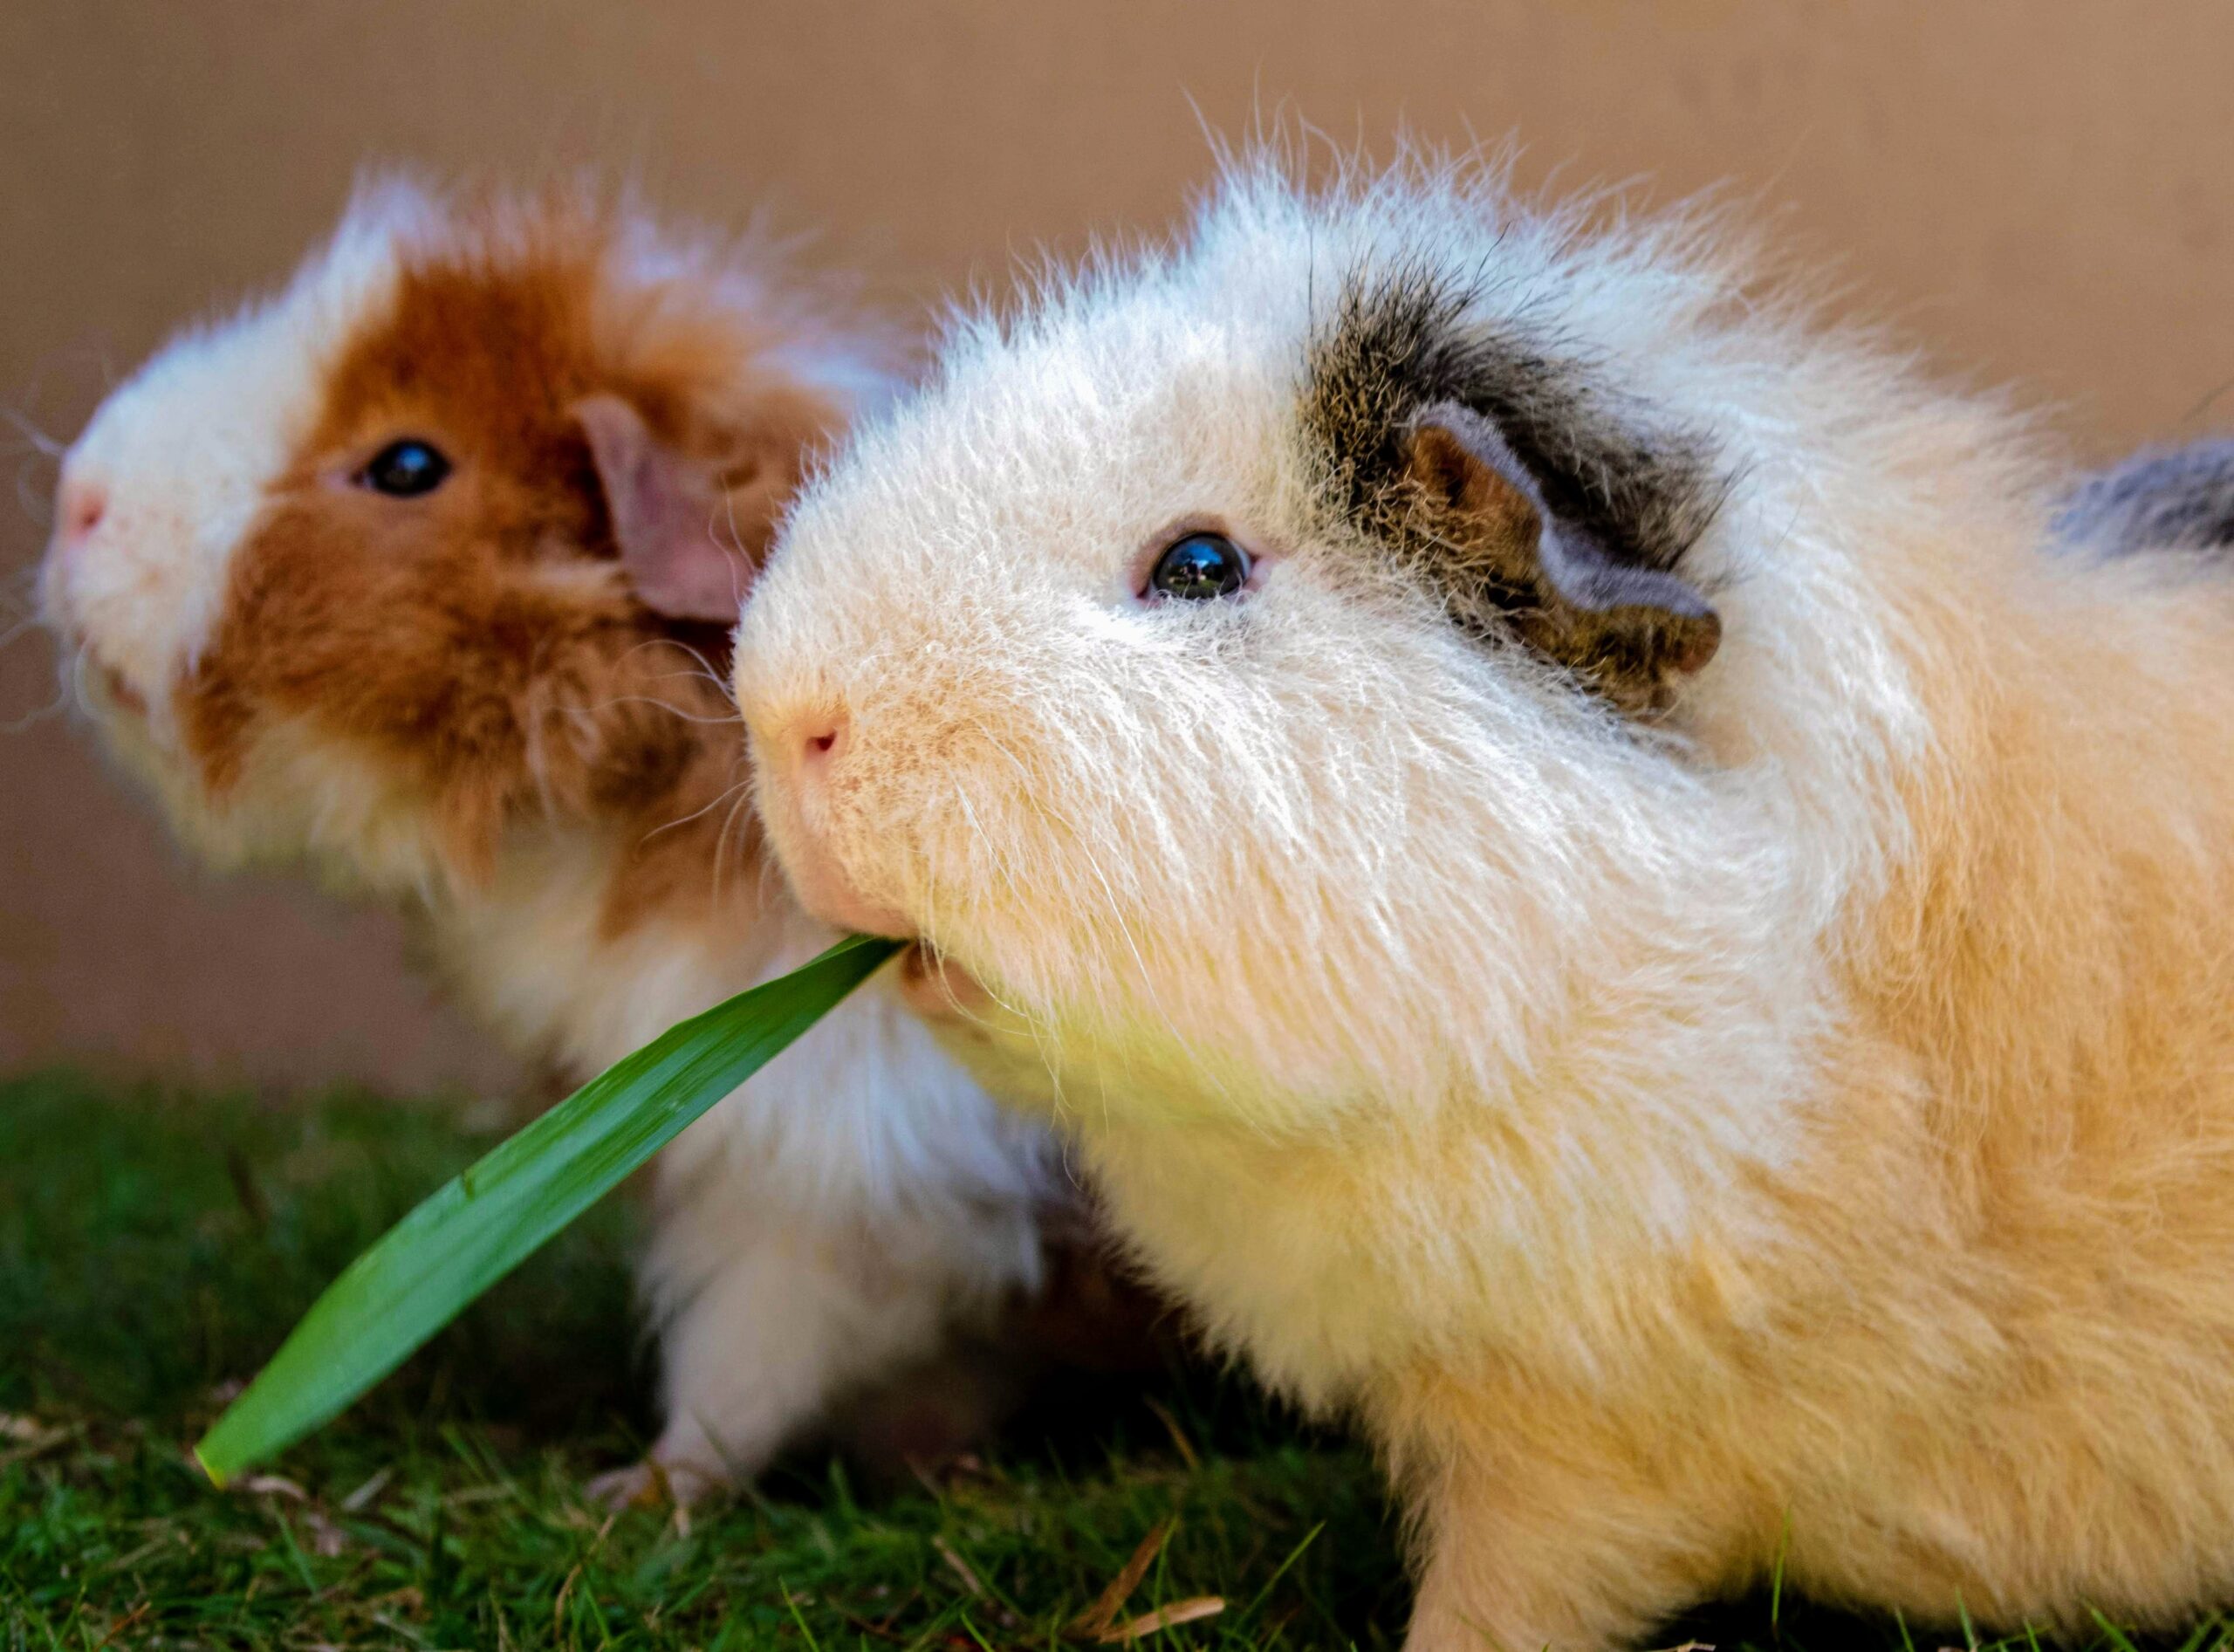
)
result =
(797, 807)
(79, 504)
(824, 744)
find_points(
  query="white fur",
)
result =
(185, 450)
(1688, 1147)
(828, 1225)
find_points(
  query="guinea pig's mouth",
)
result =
(103, 687)
(937, 988)
(119, 693)
(109, 690)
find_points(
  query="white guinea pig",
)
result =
(1594, 895)
(411, 571)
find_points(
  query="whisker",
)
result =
(79, 659)
(18, 594)
(31, 719)
(720, 839)
(69, 690)
(699, 675)
(705, 666)
(773, 885)
(688, 676)
(39, 439)
(37, 505)
(719, 799)
(645, 699)
(22, 627)
(740, 579)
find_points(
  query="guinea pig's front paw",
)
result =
(1528, 1555)
(653, 1484)
(930, 1416)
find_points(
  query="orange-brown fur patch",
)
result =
(478, 647)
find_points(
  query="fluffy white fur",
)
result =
(833, 1224)
(1800, 1126)
(187, 449)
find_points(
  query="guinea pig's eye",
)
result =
(1200, 566)
(405, 469)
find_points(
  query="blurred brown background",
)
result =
(2038, 193)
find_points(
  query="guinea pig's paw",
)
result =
(924, 1422)
(653, 1484)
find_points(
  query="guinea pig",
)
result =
(422, 572)
(1594, 894)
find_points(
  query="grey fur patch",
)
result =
(1632, 633)
(2160, 498)
(1405, 339)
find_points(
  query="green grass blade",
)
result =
(484, 1222)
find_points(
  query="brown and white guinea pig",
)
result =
(411, 571)
(1594, 895)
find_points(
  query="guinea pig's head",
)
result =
(377, 567)
(1254, 649)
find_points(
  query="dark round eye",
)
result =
(405, 469)
(1200, 566)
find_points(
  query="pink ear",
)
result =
(669, 518)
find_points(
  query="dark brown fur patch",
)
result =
(1405, 340)
(478, 647)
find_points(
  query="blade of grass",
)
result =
(484, 1222)
(1776, 1583)
(1103, 1612)
(1281, 1570)
(1165, 1617)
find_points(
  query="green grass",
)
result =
(154, 1247)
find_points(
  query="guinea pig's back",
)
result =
(2160, 498)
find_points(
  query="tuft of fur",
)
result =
(460, 704)
(1794, 1128)
(1404, 339)
(1399, 345)
(2159, 498)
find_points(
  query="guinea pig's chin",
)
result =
(823, 890)
(177, 786)
(105, 692)
(111, 695)
(121, 714)
(818, 879)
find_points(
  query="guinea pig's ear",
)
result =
(675, 527)
(1628, 630)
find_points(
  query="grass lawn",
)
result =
(154, 1246)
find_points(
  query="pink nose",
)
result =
(817, 876)
(79, 504)
(825, 742)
